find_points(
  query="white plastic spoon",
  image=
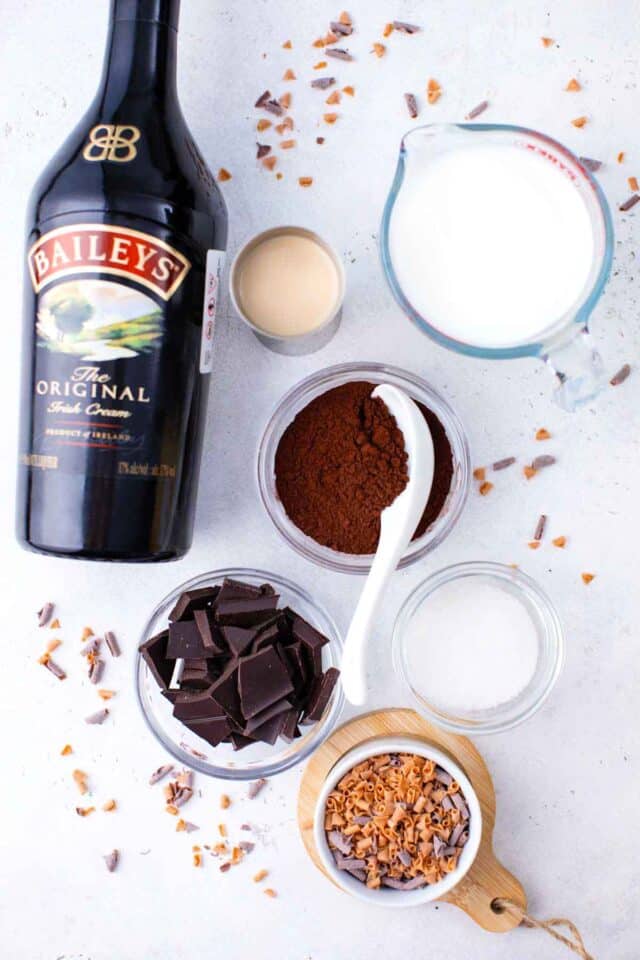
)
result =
(398, 524)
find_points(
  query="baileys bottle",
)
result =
(126, 237)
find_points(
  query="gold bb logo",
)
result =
(113, 142)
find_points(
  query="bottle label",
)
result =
(100, 248)
(117, 317)
(213, 274)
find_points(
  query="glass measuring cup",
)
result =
(565, 343)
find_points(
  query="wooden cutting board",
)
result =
(487, 878)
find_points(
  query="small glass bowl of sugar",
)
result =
(479, 646)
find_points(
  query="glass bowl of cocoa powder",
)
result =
(331, 459)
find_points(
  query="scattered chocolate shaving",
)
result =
(260, 102)
(245, 826)
(338, 53)
(338, 840)
(246, 846)
(256, 787)
(403, 27)
(44, 614)
(590, 164)
(96, 669)
(621, 375)
(160, 773)
(481, 107)
(323, 83)
(193, 751)
(544, 460)
(53, 668)
(503, 464)
(320, 140)
(541, 524)
(112, 644)
(263, 150)
(275, 107)
(111, 860)
(631, 202)
(91, 647)
(342, 29)
(97, 718)
(412, 105)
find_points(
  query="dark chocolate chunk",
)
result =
(154, 654)
(211, 640)
(280, 706)
(312, 639)
(193, 600)
(269, 731)
(224, 692)
(214, 730)
(245, 611)
(238, 639)
(190, 705)
(320, 695)
(290, 730)
(262, 680)
(185, 640)
(266, 636)
(299, 669)
(239, 741)
(234, 589)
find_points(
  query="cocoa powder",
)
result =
(342, 460)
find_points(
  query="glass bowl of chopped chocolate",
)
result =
(237, 674)
(397, 822)
(332, 458)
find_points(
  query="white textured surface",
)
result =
(567, 782)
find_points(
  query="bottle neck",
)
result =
(140, 59)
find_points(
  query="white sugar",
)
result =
(471, 645)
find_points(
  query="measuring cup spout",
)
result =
(577, 368)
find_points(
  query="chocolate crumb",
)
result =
(503, 464)
(44, 614)
(342, 29)
(273, 106)
(621, 375)
(256, 787)
(631, 202)
(53, 668)
(320, 140)
(544, 460)
(112, 644)
(246, 846)
(160, 773)
(263, 150)
(96, 669)
(266, 96)
(97, 718)
(412, 105)
(322, 83)
(480, 108)
(338, 53)
(403, 27)
(590, 164)
(111, 860)
(541, 524)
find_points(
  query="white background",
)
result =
(567, 782)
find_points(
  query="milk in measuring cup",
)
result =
(491, 243)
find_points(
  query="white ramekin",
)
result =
(387, 897)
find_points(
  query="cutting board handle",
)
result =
(487, 881)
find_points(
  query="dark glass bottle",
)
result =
(126, 235)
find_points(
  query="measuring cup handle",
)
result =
(578, 370)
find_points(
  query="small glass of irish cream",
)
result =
(288, 285)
